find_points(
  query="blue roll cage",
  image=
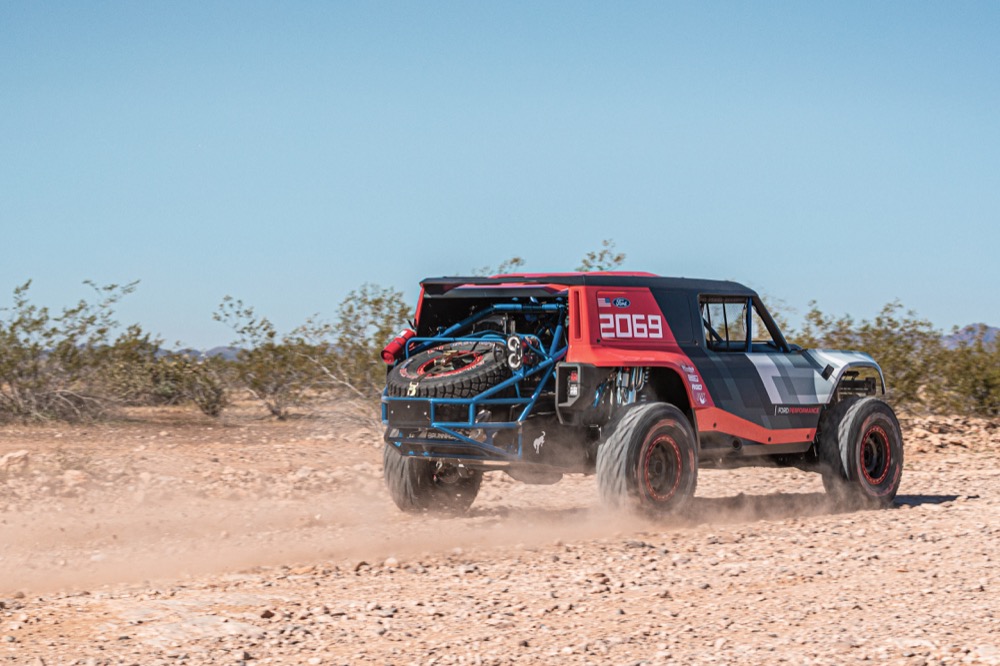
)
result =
(448, 441)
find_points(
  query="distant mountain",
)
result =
(195, 354)
(226, 353)
(969, 333)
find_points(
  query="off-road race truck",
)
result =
(637, 378)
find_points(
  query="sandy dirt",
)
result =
(169, 538)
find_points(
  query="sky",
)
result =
(286, 153)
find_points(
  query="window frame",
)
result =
(752, 304)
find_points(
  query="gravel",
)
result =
(189, 541)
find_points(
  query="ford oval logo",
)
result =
(622, 303)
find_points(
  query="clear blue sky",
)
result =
(285, 153)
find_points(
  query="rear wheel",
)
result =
(418, 485)
(649, 460)
(861, 452)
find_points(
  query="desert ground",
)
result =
(166, 537)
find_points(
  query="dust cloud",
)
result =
(148, 501)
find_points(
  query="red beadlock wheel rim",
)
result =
(875, 455)
(661, 467)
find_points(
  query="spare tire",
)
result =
(452, 370)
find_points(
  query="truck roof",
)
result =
(441, 285)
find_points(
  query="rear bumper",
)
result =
(447, 428)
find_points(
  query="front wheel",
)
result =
(861, 452)
(649, 460)
(417, 485)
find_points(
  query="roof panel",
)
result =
(439, 285)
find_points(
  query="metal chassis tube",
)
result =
(453, 448)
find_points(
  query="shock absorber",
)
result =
(639, 378)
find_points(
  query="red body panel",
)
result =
(420, 303)
(607, 335)
(714, 419)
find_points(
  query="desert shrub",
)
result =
(972, 374)
(126, 368)
(285, 371)
(276, 370)
(167, 380)
(135, 371)
(275, 373)
(605, 259)
(181, 377)
(205, 387)
(908, 348)
(508, 266)
(52, 365)
(346, 353)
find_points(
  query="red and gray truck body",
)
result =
(568, 351)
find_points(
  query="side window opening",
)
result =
(725, 323)
(728, 328)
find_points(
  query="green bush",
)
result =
(180, 378)
(275, 370)
(605, 259)
(907, 348)
(347, 353)
(70, 365)
(54, 366)
(972, 369)
(126, 369)
(920, 369)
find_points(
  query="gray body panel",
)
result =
(797, 378)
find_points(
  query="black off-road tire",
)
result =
(860, 450)
(649, 460)
(417, 485)
(452, 370)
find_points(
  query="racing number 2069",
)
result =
(631, 326)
